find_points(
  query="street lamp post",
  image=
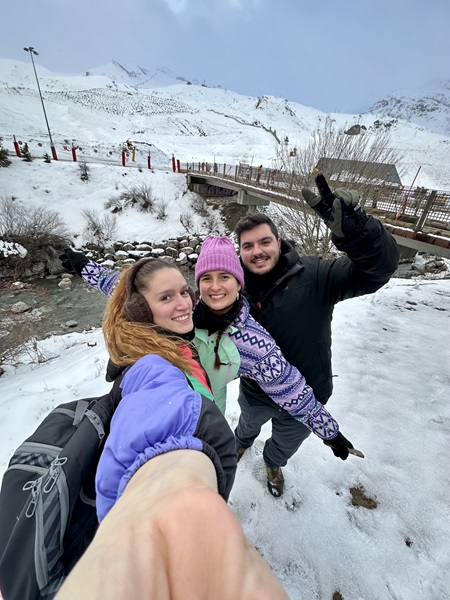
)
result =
(32, 51)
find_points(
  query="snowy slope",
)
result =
(191, 121)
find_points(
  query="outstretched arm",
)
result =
(263, 361)
(171, 537)
(93, 273)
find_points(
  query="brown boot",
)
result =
(240, 451)
(275, 481)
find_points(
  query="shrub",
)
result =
(211, 223)
(200, 206)
(26, 154)
(4, 157)
(37, 229)
(99, 230)
(187, 221)
(85, 172)
(161, 209)
(19, 346)
(139, 195)
(114, 203)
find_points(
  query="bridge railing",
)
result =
(419, 206)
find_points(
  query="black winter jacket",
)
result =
(297, 307)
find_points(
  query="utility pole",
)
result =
(32, 51)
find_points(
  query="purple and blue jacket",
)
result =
(160, 412)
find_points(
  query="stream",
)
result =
(53, 310)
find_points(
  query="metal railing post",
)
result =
(426, 210)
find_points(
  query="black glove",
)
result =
(72, 261)
(339, 445)
(340, 210)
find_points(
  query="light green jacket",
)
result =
(229, 362)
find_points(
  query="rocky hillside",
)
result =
(429, 107)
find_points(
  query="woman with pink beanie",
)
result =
(231, 344)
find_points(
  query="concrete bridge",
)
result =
(415, 228)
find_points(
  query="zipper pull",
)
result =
(53, 473)
(35, 487)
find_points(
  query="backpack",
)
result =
(47, 499)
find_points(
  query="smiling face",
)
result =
(167, 295)
(218, 290)
(260, 249)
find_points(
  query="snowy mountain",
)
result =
(137, 76)
(194, 122)
(428, 106)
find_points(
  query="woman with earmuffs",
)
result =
(165, 532)
(166, 399)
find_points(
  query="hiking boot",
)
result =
(240, 451)
(275, 481)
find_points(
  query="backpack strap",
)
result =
(96, 422)
(79, 411)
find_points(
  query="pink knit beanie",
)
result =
(218, 254)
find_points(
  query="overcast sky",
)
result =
(335, 56)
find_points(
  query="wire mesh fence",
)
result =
(420, 206)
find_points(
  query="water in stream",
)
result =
(51, 309)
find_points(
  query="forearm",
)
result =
(100, 278)
(373, 253)
(171, 537)
(287, 387)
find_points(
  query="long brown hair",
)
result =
(128, 341)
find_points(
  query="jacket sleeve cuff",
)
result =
(169, 445)
(321, 423)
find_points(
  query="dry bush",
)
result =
(306, 228)
(140, 195)
(4, 157)
(187, 221)
(211, 223)
(199, 205)
(114, 203)
(367, 150)
(35, 228)
(98, 230)
(85, 173)
(161, 209)
(19, 346)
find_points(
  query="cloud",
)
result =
(176, 5)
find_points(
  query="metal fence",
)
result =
(418, 206)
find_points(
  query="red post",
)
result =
(149, 163)
(55, 156)
(123, 158)
(178, 166)
(16, 148)
(74, 153)
(173, 163)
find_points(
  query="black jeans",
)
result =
(288, 434)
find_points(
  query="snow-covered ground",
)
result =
(390, 351)
(392, 384)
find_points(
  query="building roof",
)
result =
(337, 169)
